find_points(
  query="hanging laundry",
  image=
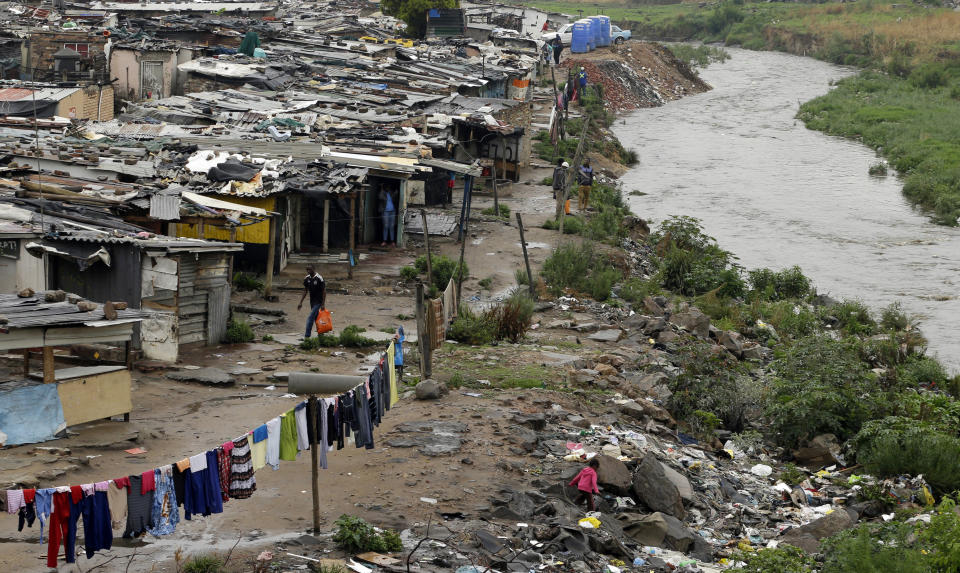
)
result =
(97, 530)
(148, 484)
(27, 514)
(303, 438)
(139, 508)
(273, 443)
(242, 481)
(43, 505)
(117, 501)
(288, 437)
(165, 516)
(180, 483)
(14, 501)
(63, 525)
(223, 467)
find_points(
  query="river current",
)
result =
(777, 194)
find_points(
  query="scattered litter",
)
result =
(589, 523)
(136, 451)
(761, 470)
(429, 500)
(271, 387)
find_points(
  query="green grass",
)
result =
(465, 370)
(917, 128)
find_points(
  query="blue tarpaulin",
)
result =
(31, 414)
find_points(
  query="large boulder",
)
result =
(807, 537)
(209, 375)
(693, 321)
(652, 487)
(731, 341)
(429, 390)
(613, 475)
(678, 537)
(653, 307)
(644, 529)
(821, 451)
(679, 480)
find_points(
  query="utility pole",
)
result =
(526, 259)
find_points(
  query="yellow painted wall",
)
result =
(257, 233)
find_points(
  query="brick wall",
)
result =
(39, 48)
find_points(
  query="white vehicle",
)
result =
(565, 32)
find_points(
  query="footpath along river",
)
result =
(777, 194)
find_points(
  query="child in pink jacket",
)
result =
(586, 482)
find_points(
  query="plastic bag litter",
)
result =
(761, 470)
(589, 523)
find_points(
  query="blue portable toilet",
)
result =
(595, 26)
(591, 38)
(605, 37)
(579, 41)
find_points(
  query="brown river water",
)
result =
(777, 194)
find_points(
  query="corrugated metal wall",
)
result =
(202, 298)
(218, 305)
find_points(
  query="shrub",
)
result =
(792, 475)
(878, 169)
(513, 316)
(443, 269)
(504, 211)
(351, 337)
(472, 328)
(779, 285)
(923, 371)
(409, 273)
(712, 382)
(785, 558)
(521, 276)
(873, 549)
(820, 386)
(485, 283)
(572, 225)
(320, 341)
(634, 290)
(579, 267)
(239, 331)
(790, 320)
(851, 316)
(897, 445)
(893, 318)
(245, 282)
(941, 537)
(929, 76)
(203, 564)
(354, 535)
(692, 262)
(605, 225)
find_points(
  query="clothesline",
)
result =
(200, 484)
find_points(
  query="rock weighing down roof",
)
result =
(62, 310)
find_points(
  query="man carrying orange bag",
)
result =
(314, 285)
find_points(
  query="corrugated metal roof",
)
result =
(17, 94)
(32, 312)
(165, 207)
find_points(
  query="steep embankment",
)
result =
(637, 75)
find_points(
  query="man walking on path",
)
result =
(585, 179)
(557, 49)
(314, 285)
(559, 177)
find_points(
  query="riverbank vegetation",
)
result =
(906, 102)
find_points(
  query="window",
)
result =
(82, 49)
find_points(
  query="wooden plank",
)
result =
(95, 397)
(49, 366)
(218, 312)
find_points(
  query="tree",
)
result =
(414, 12)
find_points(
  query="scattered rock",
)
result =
(86, 306)
(693, 321)
(26, 293)
(677, 537)
(653, 307)
(807, 537)
(109, 311)
(207, 375)
(644, 529)
(731, 341)
(430, 390)
(54, 296)
(614, 475)
(652, 487)
(536, 421)
(608, 335)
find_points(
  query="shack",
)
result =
(36, 405)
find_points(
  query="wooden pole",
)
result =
(271, 258)
(353, 239)
(233, 239)
(526, 258)
(561, 215)
(496, 199)
(326, 225)
(467, 183)
(426, 246)
(314, 461)
(423, 336)
(49, 366)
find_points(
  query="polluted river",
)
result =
(777, 194)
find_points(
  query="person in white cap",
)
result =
(560, 176)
